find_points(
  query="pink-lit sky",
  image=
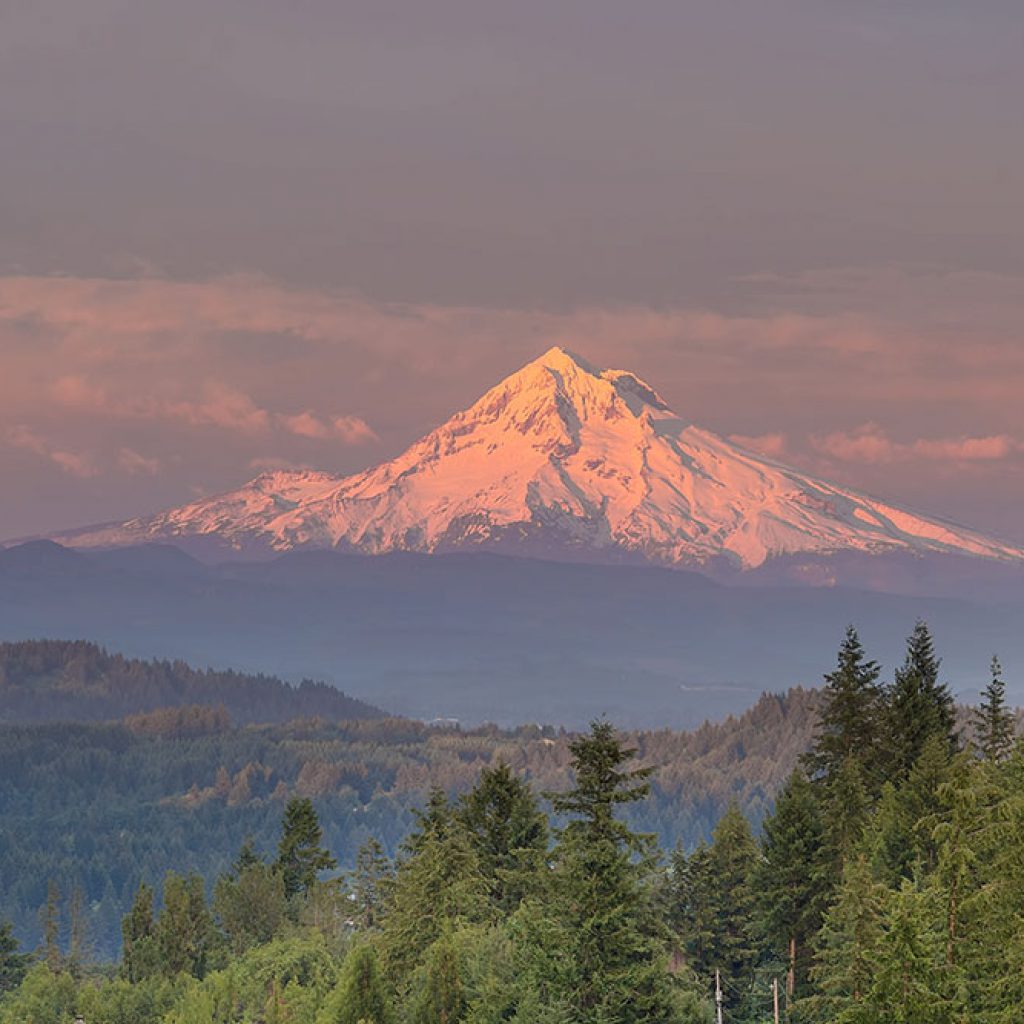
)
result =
(237, 234)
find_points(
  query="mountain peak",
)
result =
(562, 457)
(578, 388)
(559, 358)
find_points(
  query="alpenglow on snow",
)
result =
(560, 457)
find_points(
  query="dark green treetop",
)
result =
(994, 723)
(919, 705)
(300, 857)
(508, 831)
(851, 715)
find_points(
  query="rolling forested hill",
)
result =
(60, 680)
(102, 806)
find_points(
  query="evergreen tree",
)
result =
(360, 996)
(50, 919)
(140, 952)
(441, 998)
(80, 946)
(732, 860)
(13, 964)
(890, 840)
(300, 857)
(845, 812)
(247, 857)
(850, 718)
(919, 705)
(994, 723)
(844, 968)
(992, 908)
(435, 821)
(789, 879)
(184, 931)
(614, 968)
(508, 832)
(369, 881)
(693, 906)
(437, 884)
(910, 981)
(250, 904)
(922, 797)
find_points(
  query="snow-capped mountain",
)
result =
(560, 456)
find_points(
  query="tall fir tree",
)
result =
(732, 860)
(507, 830)
(692, 908)
(615, 967)
(910, 981)
(851, 718)
(922, 797)
(185, 933)
(300, 856)
(994, 723)
(845, 946)
(789, 879)
(437, 884)
(845, 809)
(889, 841)
(434, 821)
(140, 956)
(919, 705)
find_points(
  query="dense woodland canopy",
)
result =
(102, 806)
(886, 882)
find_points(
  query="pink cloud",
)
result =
(870, 444)
(352, 429)
(305, 424)
(348, 429)
(220, 406)
(72, 463)
(132, 462)
(970, 449)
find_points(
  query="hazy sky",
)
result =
(243, 233)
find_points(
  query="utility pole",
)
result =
(775, 998)
(718, 994)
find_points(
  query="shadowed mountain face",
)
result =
(563, 460)
(484, 637)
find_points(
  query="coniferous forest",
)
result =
(884, 881)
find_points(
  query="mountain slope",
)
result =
(560, 457)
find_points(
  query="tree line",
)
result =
(886, 883)
(99, 807)
(74, 680)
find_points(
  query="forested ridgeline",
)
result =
(62, 680)
(102, 806)
(887, 885)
